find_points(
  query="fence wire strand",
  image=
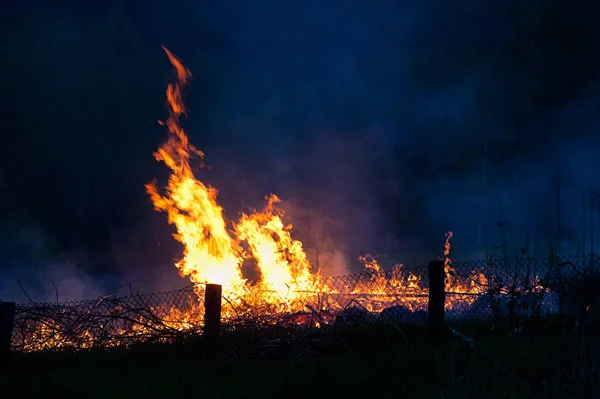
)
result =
(475, 290)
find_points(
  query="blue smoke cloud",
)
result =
(394, 121)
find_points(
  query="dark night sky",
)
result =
(385, 122)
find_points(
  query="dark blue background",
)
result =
(382, 123)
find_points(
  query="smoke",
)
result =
(532, 201)
(322, 237)
(380, 124)
(403, 125)
(30, 272)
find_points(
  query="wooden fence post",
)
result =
(437, 297)
(212, 320)
(7, 319)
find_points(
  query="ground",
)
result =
(555, 358)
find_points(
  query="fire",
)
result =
(370, 262)
(467, 289)
(216, 249)
(214, 254)
(210, 254)
(448, 262)
(280, 259)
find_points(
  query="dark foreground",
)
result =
(550, 359)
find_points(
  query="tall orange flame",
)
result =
(448, 270)
(210, 254)
(213, 254)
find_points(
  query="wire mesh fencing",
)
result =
(516, 289)
(492, 289)
(107, 321)
(357, 299)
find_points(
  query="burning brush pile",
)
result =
(287, 292)
(109, 321)
(215, 250)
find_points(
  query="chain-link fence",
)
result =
(509, 290)
(491, 289)
(107, 321)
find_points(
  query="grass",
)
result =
(555, 358)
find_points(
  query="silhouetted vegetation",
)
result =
(551, 358)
